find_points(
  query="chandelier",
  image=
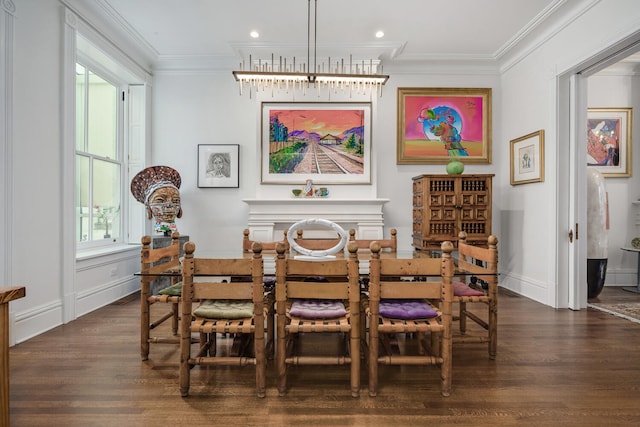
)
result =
(360, 77)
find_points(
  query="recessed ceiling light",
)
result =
(379, 34)
(254, 34)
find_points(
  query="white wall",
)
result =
(607, 90)
(528, 213)
(191, 109)
(36, 255)
(36, 145)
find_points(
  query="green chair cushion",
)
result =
(225, 309)
(173, 290)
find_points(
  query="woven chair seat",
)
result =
(397, 326)
(222, 326)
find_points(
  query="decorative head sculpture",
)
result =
(158, 188)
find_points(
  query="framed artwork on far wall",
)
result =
(527, 158)
(437, 124)
(326, 142)
(609, 141)
(218, 165)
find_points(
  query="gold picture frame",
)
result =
(609, 141)
(527, 158)
(437, 124)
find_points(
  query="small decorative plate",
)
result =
(635, 242)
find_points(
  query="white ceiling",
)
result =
(217, 31)
(414, 29)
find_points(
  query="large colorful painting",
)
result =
(609, 141)
(437, 124)
(329, 143)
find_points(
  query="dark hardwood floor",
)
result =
(615, 294)
(554, 367)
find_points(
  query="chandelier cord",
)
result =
(308, 32)
(315, 37)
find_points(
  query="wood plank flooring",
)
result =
(554, 367)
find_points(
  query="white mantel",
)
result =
(268, 215)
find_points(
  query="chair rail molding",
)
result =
(268, 215)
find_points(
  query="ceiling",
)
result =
(414, 29)
(217, 31)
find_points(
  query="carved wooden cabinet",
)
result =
(444, 205)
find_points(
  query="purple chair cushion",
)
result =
(317, 309)
(462, 290)
(406, 309)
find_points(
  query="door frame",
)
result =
(571, 185)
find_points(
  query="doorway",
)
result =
(571, 183)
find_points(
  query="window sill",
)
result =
(110, 250)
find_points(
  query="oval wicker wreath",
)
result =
(325, 223)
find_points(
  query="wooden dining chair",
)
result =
(154, 262)
(409, 296)
(247, 243)
(317, 297)
(316, 243)
(478, 288)
(213, 305)
(390, 243)
(269, 284)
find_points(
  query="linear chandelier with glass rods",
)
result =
(352, 78)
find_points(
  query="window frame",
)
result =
(82, 42)
(94, 66)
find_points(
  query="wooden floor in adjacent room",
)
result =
(554, 367)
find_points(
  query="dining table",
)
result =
(364, 255)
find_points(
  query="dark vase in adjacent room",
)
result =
(596, 274)
(597, 241)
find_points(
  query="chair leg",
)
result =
(355, 353)
(270, 346)
(144, 321)
(493, 329)
(420, 337)
(259, 353)
(463, 317)
(374, 343)
(281, 354)
(185, 368)
(446, 367)
(174, 318)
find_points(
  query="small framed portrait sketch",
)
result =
(527, 158)
(218, 165)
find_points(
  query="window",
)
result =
(106, 142)
(99, 159)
